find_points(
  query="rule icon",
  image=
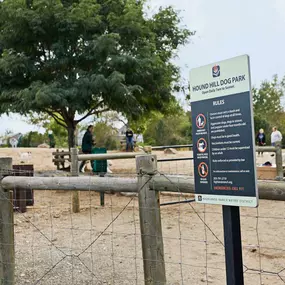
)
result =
(201, 121)
(202, 145)
(203, 169)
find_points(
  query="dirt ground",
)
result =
(54, 246)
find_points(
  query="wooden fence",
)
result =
(60, 158)
(148, 185)
(75, 157)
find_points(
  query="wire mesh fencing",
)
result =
(99, 245)
(197, 232)
(102, 245)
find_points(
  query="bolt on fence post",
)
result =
(74, 172)
(279, 161)
(150, 222)
(7, 246)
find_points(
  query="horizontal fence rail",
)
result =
(268, 190)
(100, 184)
(61, 160)
(258, 149)
(134, 154)
(104, 156)
(61, 153)
(174, 159)
(265, 149)
(171, 146)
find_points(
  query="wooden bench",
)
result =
(266, 172)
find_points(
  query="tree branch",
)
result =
(91, 112)
(101, 111)
(61, 124)
(56, 118)
(51, 113)
(122, 121)
(65, 115)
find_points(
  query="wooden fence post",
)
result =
(7, 247)
(279, 161)
(57, 163)
(74, 172)
(150, 222)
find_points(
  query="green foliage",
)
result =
(32, 139)
(106, 136)
(169, 130)
(87, 56)
(141, 124)
(58, 131)
(268, 111)
(49, 124)
(280, 124)
(267, 99)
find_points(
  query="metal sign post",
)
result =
(224, 148)
(233, 246)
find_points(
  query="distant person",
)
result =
(260, 138)
(140, 138)
(87, 145)
(129, 139)
(276, 136)
(51, 139)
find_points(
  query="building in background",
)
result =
(11, 140)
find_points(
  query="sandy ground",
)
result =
(54, 246)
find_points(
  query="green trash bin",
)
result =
(99, 166)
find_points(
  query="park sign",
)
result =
(223, 133)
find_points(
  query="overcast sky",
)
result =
(224, 28)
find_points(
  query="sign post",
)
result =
(233, 247)
(224, 148)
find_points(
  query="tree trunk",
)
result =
(71, 136)
(69, 120)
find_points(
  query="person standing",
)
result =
(140, 138)
(261, 139)
(276, 136)
(51, 139)
(87, 144)
(129, 139)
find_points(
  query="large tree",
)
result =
(169, 129)
(83, 57)
(267, 98)
(268, 107)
